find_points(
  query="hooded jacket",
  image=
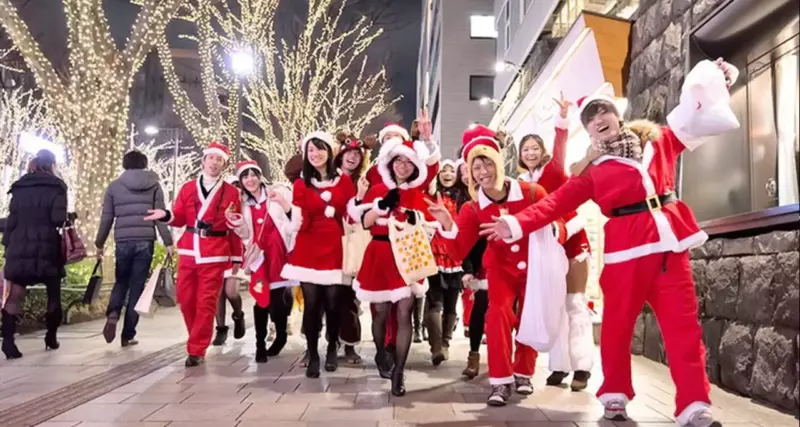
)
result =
(127, 200)
(31, 236)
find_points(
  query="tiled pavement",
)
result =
(231, 390)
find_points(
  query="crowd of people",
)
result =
(491, 238)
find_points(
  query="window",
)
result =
(482, 27)
(480, 87)
(523, 8)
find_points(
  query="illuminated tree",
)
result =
(161, 160)
(87, 98)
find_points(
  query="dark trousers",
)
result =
(133, 260)
(443, 291)
(347, 310)
(477, 320)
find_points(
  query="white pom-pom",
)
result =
(326, 196)
(330, 211)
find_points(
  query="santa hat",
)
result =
(448, 162)
(393, 127)
(218, 149)
(415, 151)
(479, 140)
(244, 166)
(320, 135)
(605, 93)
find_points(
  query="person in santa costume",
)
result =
(319, 200)
(266, 229)
(506, 264)
(441, 300)
(404, 172)
(629, 171)
(548, 171)
(206, 248)
(352, 158)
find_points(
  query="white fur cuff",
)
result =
(447, 234)
(561, 122)
(513, 224)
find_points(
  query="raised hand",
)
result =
(424, 124)
(155, 215)
(496, 230)
(563, 105)
(439, 212)
(277, 197)
(363, 186)
(726, 71)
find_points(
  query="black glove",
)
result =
(390, 201)
(411, 217)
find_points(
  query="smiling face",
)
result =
(391, 134)
(601, 121)
(318, 157)
(213, 165)
(447, 176)
(251, 181)
(463, 172)
(351, 161)
(402, 168)
(531, 152)
(484, 172)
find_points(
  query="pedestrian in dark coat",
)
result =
(33, 246)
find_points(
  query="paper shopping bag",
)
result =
(412, 250)
(354, 245)
(145, 306)
(5, 289)
(94, 285)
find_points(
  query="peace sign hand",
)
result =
(440, 213)
(424, 124)
(563, 105)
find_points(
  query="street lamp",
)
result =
(486, 101)
(242, 64)
(151, 130)
(503, 66)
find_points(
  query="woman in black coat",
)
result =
(33, 246)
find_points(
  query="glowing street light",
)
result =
(242, 65)
(503, 66)
(486, 101)
(242, 62)
(151, 130)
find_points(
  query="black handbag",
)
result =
(164, 293)
(95, 283)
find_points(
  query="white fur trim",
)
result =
(575, 225)
(434, 156)
(607, 398)
(447, 162)
(418, 155)
(561, 122)
(355, 212)
(479, 140)
(605, 93)
(377, 209)
(583, 256)
(217, 151)
(501, 381)
(284, 284)
(308, 275)
(241, 170)
(447, 234)
(393, 128)
(686, 414)
(513, 224)
(514, 194)
(450, 270)
(326, 183)
(330, 211)
(321, 135)
(393, 295)
(297, 218)
(325, 195)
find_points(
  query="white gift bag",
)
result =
(354, 245)
(412, 251)
(704, 108)
(544, 312)
(145, 306)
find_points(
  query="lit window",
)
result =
(482, 27)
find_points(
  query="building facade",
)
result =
(455, 67)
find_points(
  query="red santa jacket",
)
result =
(553, 175)
(614, 182)
(190, 207)
(508, 259)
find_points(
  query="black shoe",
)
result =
(312, 370)
(221, 337)
(424, 334)
(523, 386)
(276, 346)
(238, 325)
(332, 360)
(391, 356)
(110, 330)
(580, 379)
(500, 395)
(417, 336)
(384, 369)
(129, 342)
(398, 384)
(351, 356)
(50, 341)
(9, 329)
(261, 353)
(556, 378)
(192, 361)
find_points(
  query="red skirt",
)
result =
(316, 258)
(443, 260)
(379, 280)
(577, 247)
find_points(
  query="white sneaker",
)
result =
(702, 418)
(615, 411)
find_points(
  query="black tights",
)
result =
(316, 299)
(230, 293)
(404, 310)
(16, 298)
(280, 306)
(477, 319)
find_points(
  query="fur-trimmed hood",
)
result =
(646, 130)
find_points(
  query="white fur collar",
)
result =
(514, 194)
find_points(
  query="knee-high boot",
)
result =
(418, 304)
(52, 321)
(9, 329)
(260, 320)
(433, 322)
(450, 321)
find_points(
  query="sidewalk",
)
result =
(231, 390)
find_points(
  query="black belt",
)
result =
(381, 237)
(652, 203)
(207, 233)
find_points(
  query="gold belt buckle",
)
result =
(653, 203)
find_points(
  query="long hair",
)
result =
(45, 161)
(247, 172)
(540, 142)
(459, 192)
(310, 172)
(364, 148)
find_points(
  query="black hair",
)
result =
(538, 139)
(134, 160)
(598, 106)
(243, 175)
(339, 159)
(45, 161)
(458, 192)
(309, 171)
(414, 175)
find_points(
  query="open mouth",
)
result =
(602, 128)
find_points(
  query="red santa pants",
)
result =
(665, 282)
(198, 288)
(467, 301)
(501, 319)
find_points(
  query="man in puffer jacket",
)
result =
(127, 200)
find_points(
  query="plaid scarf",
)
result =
(627, 144)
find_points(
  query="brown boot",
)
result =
(473, 365)
(450, 322)
(433, 321)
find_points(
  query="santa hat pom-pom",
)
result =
(370, 142)
(330, 211)
(326, 196)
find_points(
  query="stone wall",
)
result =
(749, 301)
